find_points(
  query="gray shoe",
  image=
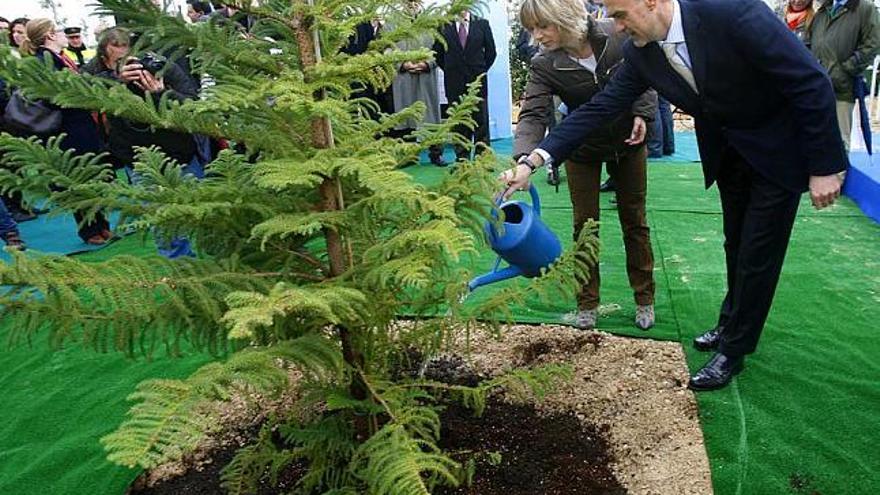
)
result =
(645, 316)
(586, 319)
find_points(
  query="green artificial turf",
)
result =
(57, 404)
(802, 418)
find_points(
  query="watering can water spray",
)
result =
(524, 242)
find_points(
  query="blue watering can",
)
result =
(526, 244)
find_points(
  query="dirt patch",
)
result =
(633, 389)
(521, 451)
(626, 423)
(205, 478)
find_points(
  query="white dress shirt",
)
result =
(676, 35)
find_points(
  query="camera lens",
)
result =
(152, 63)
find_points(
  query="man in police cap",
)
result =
(76, 49)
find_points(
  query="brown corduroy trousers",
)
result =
(629, 173)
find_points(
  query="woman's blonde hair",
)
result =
(36, 31)
(569, 16)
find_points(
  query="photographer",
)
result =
(148, 73)
(152, 74)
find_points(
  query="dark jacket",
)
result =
(525, 50)
(555, 73)
(360, 40)
(771, 103)
(463, 66)
(124, 135)
(79, 126)
(846, 43)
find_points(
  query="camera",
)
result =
(152, 62)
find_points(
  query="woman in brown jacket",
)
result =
(578, 57)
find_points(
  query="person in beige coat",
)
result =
(579, 56)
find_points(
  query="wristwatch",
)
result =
(528, 163)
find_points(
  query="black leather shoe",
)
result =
(607, 186)
(717, 373)
(709, 340)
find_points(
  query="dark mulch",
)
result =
(206, 479)
(516, 450)
(549, 455)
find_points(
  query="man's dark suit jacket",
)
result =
(360, 40)
(463, 66)
(761, 93)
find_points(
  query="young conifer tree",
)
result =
(311, 243)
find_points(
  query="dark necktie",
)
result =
(462, 34)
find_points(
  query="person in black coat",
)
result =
(358, 43)
(468, 54)
(82, 135)
(123, 135)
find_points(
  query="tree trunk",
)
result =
(330, 193)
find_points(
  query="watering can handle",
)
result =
(533, 192)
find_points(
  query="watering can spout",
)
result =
(494, 276)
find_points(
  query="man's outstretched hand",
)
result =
(639, 131)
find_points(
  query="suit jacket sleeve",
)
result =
(440, 50)
(792, 70)
(617, 97)
(489, 43)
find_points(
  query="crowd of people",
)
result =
(86, 131)
(467, 55)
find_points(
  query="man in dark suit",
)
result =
(468, 54)
(358, 42)
(766, 126)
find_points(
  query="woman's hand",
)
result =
(515, 179)
(639, 130)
